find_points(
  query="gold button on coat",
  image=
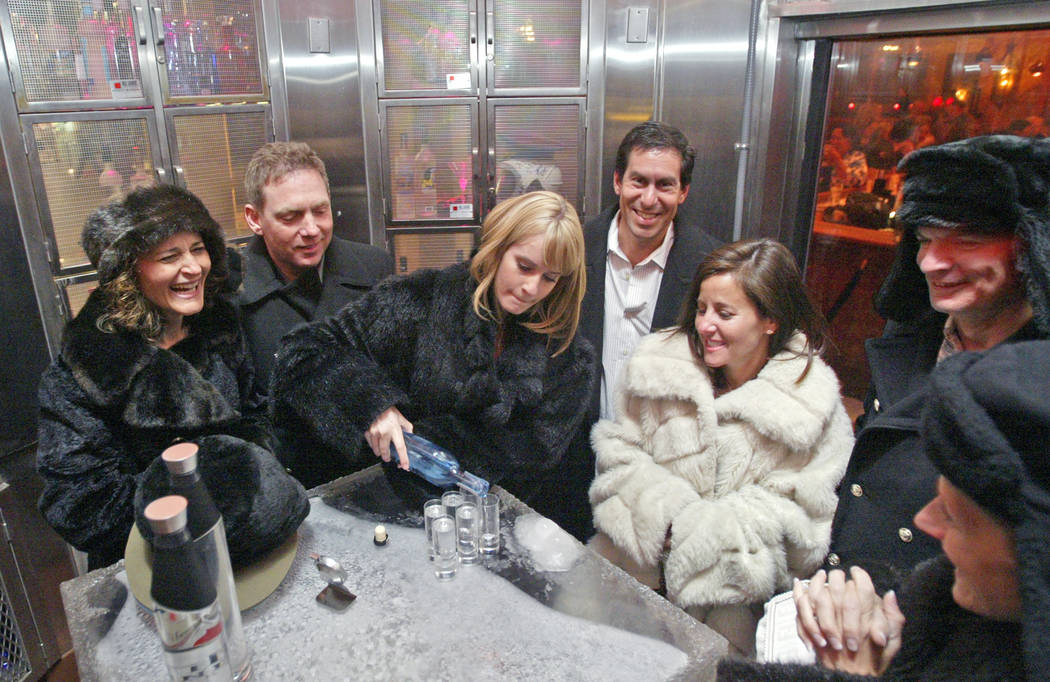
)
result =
(905, 534)
(856, 490)
(877, 405)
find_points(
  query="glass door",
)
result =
(109, 97)
(886, 97)
(80, 161)
(479, 101)
(77, 54)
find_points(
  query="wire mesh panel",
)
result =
(73, 51)
(425, 45)
(537, 146)
(77, 294)
(14, 663)
(213, 152)
(537, 44)
(430, 171)
(211, 48)
(413, 251)
(84, 164)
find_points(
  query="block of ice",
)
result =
(549, 547)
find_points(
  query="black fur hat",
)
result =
(992, 184)
(115, 235)
(261, 504)
(986, 427)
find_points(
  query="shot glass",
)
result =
(432, 509)
(445, 556)
(452, 499)
(489, 511)
(467, 530)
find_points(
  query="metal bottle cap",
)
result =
(167, 514)
(180, 458)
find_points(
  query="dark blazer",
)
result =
(889, 478)
(350, 269)
(689, 248)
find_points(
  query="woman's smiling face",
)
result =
(733, 334)
(172, 274)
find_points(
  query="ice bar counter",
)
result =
(517, 616)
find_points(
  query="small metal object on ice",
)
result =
(330, 569)
(335, 595)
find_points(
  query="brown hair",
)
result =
(521, 217)
(770, 278)
(273, 161)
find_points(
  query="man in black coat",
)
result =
(639, 264)
(971, 272)
(294, 271)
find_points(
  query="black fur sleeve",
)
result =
(335, 376)
(89, 477)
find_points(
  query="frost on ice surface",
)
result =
(405, 624)
(550, 548)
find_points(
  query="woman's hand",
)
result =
(387, 429)
(851, 628)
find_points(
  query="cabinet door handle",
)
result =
(158, 25)
(490, 31)
(140, 24)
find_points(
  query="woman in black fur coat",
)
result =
(157, 355)
(482, 358)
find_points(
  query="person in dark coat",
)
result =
(980, 610)
(295, 271)
(972, 271)
(635, 240)
(156, 355)
(481, 358)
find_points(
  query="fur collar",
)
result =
(156, 387)
(773, 402)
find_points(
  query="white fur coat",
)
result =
(745, 481)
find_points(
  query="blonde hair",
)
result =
(517, 219)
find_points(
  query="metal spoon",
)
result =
(330, 569)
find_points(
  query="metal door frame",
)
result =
(791, 85)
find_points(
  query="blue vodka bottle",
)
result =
(438, 465)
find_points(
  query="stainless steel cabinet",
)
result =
(477, 102)
(124, 93)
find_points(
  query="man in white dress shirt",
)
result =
(639, 264)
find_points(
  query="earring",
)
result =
(770, 331)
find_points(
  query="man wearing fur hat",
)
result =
(972, 271)
(294, 270)
(980, 610)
